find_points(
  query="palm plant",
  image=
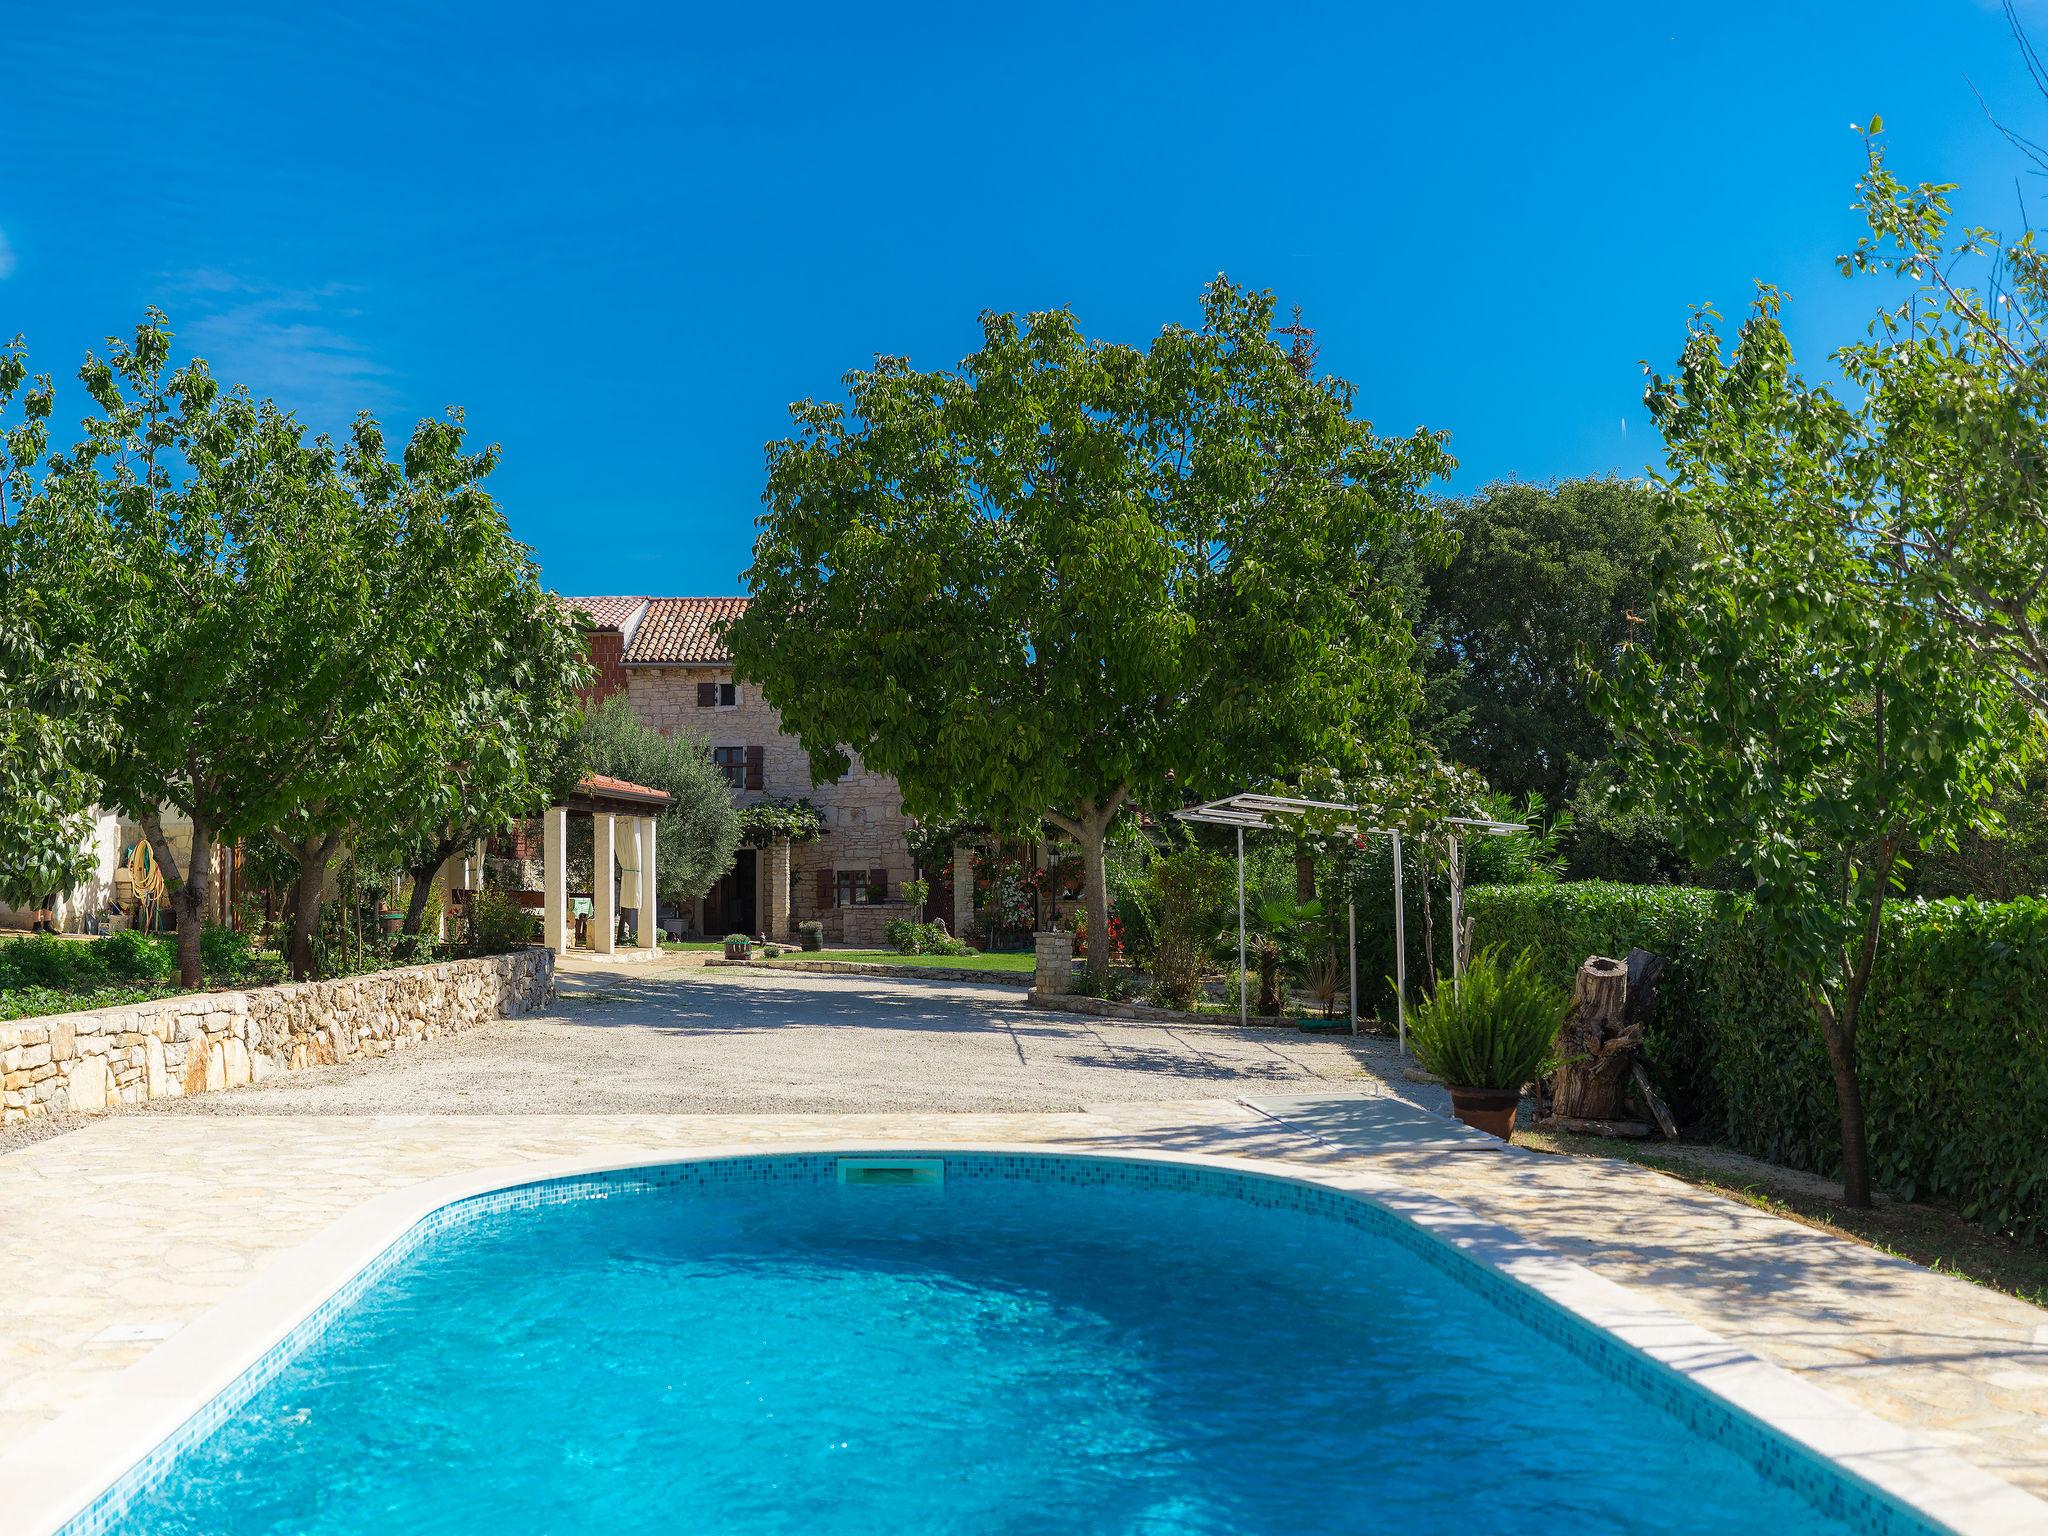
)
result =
(1495, 1028)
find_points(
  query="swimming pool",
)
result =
(959, 1342)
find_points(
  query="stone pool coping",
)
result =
(58, 1471)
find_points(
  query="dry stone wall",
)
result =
(206, 1041)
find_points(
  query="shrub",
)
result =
(1117, 985)
(133, 956)
(48, 961)
(223, 953)
(908, 938)
(1189, 891)
(1952, 1052)
(1495, 1028)
(498, 923)
(1565, 923)
(811, 935)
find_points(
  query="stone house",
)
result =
(666, 656)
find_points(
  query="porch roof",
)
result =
(602, 793)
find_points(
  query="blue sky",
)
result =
(624, 238)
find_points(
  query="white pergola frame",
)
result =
(1257, 812)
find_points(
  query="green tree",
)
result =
(185, 543)
(1534, 604)
(1956, 378)
(460, 704)
(1796, 704)
(45, 797)
(696, 835)
(1072, 574)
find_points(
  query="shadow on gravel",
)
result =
(676, 1006)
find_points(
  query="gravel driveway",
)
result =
(634, 1041)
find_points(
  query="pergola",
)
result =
(607, 802)
(1259, 812)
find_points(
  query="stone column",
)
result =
(1054, 971)
(555, 878)
(776, 863)
(963, 889)
(650, 902)
(604, 916)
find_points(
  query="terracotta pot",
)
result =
(1491, 1110)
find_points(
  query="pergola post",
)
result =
(1400, 954)
(554, 911)
(1351, 919)
(1241, 1010)
(650, 903)
(604, 914)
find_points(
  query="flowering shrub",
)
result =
(1116, 934)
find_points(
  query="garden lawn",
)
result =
(1019, 963)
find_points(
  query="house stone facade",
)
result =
(667, 656)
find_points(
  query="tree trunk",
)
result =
(1304, 877)
(1089, 826)
(1841, 1043)
(422, 875)
(308, 892)
(189, 899)
(1596, 1045)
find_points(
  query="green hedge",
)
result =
(1953, 1049)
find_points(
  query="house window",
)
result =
(732, 762)
(712, 695)
(728, 695)
(853, 888)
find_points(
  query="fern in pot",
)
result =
(1488, 1035)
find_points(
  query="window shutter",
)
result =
(878, 880)
(754, 756)
(707, 695)
(827, 891)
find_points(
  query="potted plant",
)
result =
(1488, 1034)
(738, 947)
(812, 936)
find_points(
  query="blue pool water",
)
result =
(1002, 1355)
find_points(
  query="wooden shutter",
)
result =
(878, 880)
(828, 891)
(707, 695)
(754, 756)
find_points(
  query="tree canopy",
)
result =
(290, 639)
(1071, 573)
(1955, 384)
(1796, 704)
(1533, 605)
(45, 797)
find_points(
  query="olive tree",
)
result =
(698, 830)
(1070, 574)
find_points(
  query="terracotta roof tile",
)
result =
(605, 784)
(605, 612)
(684, 629)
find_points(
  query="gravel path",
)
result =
(631, 1041)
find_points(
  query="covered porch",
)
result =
(622, 818)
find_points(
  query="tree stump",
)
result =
(1596, 1046)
